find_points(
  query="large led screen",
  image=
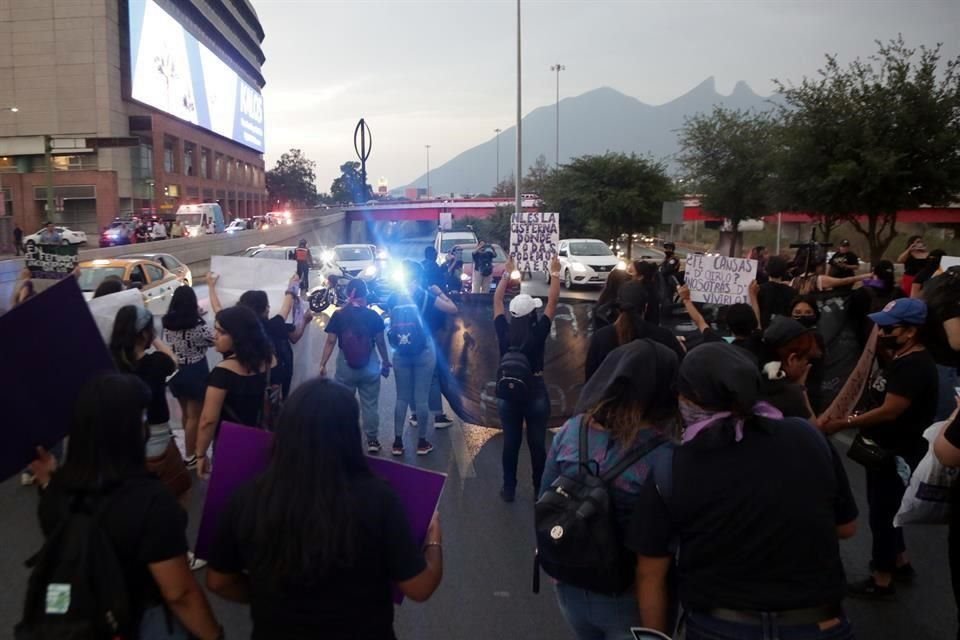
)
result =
(173, 72)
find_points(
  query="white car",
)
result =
(354, 259)
(445, 241)
(68, 236)
(585, 261)
(236, 225)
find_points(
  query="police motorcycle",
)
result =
(332, 290)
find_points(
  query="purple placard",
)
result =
(51, 347)
(243, 452)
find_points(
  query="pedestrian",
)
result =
(414, 357)
(159, 231)
(844, 262)
(189, 337)
(749, 511)
(358, 330)
(237, 386)
(629, 326)
(526, 332)
(628, 407)
(656, 287)
(806, 311)
(110, 284)
(930, 270)
(176, 229)
(605, 311)
(947, 450)
(453, 270)
(913, 260)
(50, 235)
(146, 528)
(483, 256)
(303, 258)
(942, 296)
(433, 274)
(316, 544)
(874, 294)
(440, 383)
(24, 289)
(791, 349)
(762, 256)
(904, 396)
(774, 295)
(18, 240)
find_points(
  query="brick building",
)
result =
(180, 80)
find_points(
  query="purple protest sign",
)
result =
(243, 452)
(43, 367)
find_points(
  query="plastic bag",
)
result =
(927, 498)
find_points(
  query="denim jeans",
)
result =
(366, 383)
(595, 616)
(535, 411)
(413, 376)
(946, 391)
(884, 492)
(702, 627)
(158, 623)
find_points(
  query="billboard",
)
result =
(172, 71)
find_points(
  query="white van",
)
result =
(447, 240)
(586, 261)
(197, 219)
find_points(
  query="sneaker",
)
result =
(195, 563)
(870, 590)
(441, 421)
(27, 479)
(373, 445)
(508, 495)
(424, 447)
(413, 420)
(397, 449)
(903, 573)
(191, 461)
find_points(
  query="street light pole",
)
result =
(428, 169)
(497, 183)
(518, 176)
(558, 68)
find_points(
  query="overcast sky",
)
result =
(443, 72)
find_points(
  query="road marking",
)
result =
(461, 453)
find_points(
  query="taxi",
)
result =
(155, 282)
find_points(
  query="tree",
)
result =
(537, 175)
(348, 187)
(607, 195)
(293, 179)
(727, 157)
(495, 228)
(506, 188)
(863, 142)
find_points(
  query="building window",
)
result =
(7, 165)
(189, 158)
(172, 190)
(218, 170)
(84, 162)
(205, 163)
(169, 146)
(142, 161)
(229, 169)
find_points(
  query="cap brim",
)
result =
(883, 319)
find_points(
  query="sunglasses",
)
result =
(888, 330)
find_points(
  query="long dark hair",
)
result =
(886, 274)
(251, 347)
(124, 337)
(609, 293)
(107, 434)
(304, 522)
(183, 312)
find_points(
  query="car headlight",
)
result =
(327, 256)
(382, 255)
(621, 266)
(370, 272)
(464, 277)
(578, 267)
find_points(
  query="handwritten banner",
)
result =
(719, 279)
(534, 236)
(51, 262)
(849, 395)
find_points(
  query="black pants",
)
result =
(303, 271)
(884, 492)
(953, 547)
(535, 412)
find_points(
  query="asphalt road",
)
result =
(488, 555)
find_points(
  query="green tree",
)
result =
(506, 188)
(607, 195)
(293, 179)
(495, 228)
(348, 188)
(864, 141)
(727, 156)
(537, 175)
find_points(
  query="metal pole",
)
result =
(497, 183)
(428, 169)
(558, 68)
(518, 176)
(48, 157)
(695, 224)
(779, 224)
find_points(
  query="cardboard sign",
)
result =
(51, 262)
(534, 237)
(42, 370)
(848, 397)
(719, 279)
(949, 261)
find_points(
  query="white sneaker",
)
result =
(27, 479)
(195, 563)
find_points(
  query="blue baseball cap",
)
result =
(910, 311)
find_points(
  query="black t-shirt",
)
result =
(361, 320)
(938, 344)
(354, 601)
(912, 376)
(605, 340)
(786, 396)
(278, 330)
(535, 342)
(755, 520)
(848, 258)
(912, 266)
(483, 261)
(145, 523)
(245, 395)
(752, 344)
(154, 369)
(433, 274)
(670, 266)
(774, 299)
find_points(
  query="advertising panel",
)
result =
(172, 71)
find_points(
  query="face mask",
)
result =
(876, 283)
(692, 414)
(807, 321)
(888, 342)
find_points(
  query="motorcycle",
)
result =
(333, 291)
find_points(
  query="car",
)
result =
(586, 261)
(238, 225)
(156, 283)
(499, 265)
(168, 262)
(67, 237)
(355, 259)
(272, 252)
(444, 241)
(117, 233)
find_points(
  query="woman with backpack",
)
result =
(523, 340)
(142, 562)
(626, 416)
(414, 356)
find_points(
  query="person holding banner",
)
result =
(316, 542)
(50, 236)
(942, 295)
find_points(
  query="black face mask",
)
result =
(888, 342)
(807, 321)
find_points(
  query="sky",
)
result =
(443, 72)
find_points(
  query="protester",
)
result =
(750, 509)
(189, 336)
(804, 309)
(159, 231)
(414, 357)
(316, 543)
(762, 256)
(630, 404)
(358, 329)
(844, 262)
(655, 286)
(453, 269)
(483, 256)
(942, 296)
(24, 289)
(947, 450)
(903, 395)
(930, 270)
(142, 520)
(50, 235)
(775, 294)
(605, 311)
(18, 240)
(237, 386)
(176, 229)
(877, 291)
(109, 285)
(913, 259)
(433, 274)
(302, 256)
(632, 300)
(670, 266)
(792, 347)
(440, 383)
(527, 333)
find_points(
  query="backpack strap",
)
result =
(583, 456)
(632, 458)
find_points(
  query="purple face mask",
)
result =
(876, 283)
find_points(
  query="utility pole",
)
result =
(48, 158)
(497, 183)
(518, 175)
(558, 68)
(428, 169)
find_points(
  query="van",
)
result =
(197, 218)
(447, 240)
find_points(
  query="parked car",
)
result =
(444, 241)
(271, 251)
(168, 262)
(156, 283)
(355, 259)
(118, 233)
(586, 261)
(499, 264)
(240, 224)
(67, 237)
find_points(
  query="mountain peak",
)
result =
(743, 90)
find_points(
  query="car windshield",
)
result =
(351, 254)
(589, 249)
(498, 255)
(449, 243)
(192, 219)
(91, 277)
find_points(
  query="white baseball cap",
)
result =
(523, 304)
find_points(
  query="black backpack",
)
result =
(483, 260)
(578, 539)
(77, 589)
(407, 334)
(514, 374)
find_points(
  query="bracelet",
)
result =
(438, 545)
(850, 419)
(554, 274)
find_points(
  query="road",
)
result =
(488, 546)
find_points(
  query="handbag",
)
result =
(171, 469)
(868, 453)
